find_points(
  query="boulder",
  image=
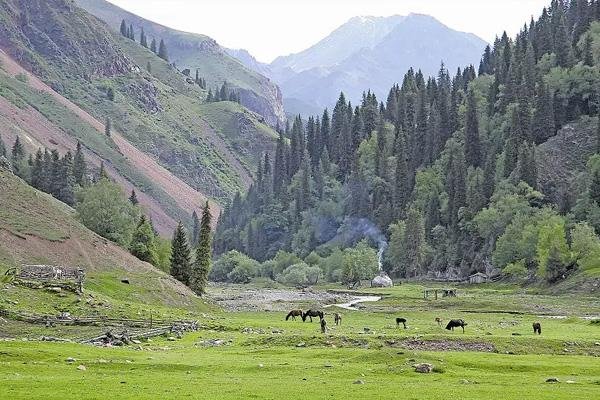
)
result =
(552, 380)
(423, 368)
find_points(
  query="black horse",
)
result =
(312, 313)
(455, 323)
(401, 321)
(293, 314)
(537, 328)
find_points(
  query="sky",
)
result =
(271, 28)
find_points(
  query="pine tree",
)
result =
(79, 166)
(66, 192)
(162, 51)
(18, 158)
(133, 198)
(202, 263)
(37, 171)
(402, 189)
(472, 142)
(181, 265)
(131, 32)
(2, 148)
(102, 174)
(124, 29)
(196, 228)
(107, 127)
(455, 184)
(143, 40)
(143, 244)
(153, 45)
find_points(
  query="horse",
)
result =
(312, 313)
(401, 321)
(439, 321)
(455, 323)
(537, 328)
(338, 318)
(323, 326)
(293, 314)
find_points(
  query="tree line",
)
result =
(446, 167)
(129, 32)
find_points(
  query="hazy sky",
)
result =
(269, 28)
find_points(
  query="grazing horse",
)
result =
(323, 326)
(455, 323)
(293, 314)
(312, 313)
(338, 318)
(537, 328)
(401, 321)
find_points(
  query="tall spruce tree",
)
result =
(153, 45)
(123, 29)
(107, 127)
(143, 242)
(79, 166)
(162, 51)
(195, 228)
(180, 261)
(203, 261)
(143, 39)
(133, 198)
(472, 142)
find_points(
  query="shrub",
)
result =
(234, 266)
(300, 274)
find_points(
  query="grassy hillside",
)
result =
(157, 111)
(195, 51)
(37, 229)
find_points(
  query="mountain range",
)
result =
(366, 52)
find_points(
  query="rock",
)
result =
(82, 368)
(328, 366)
(135, 341)
(301, 344)
(552, 380)
(54, 289)
(366, 329)
(261, 366)
(358, 382)
(570, 382)
(171, 339)
(464, 381)
(70, 360)
(423, 368)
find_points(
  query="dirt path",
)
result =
(184, 195)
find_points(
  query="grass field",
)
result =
(260, 355)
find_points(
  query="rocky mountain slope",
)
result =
(165, 142)
(194, 51)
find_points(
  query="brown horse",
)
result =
(439, 321)
(293, 314)
(312, 313)
(338, 318)
(401, 321)
(455, 323)
(537, 328)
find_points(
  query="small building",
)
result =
(478, 277)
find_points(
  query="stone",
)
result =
(70, 360)
(171, 339)
(423, 368)
(261, 366)
(552, 380)
(570, 382)
(82, 368)
(359, 382)
(301, 344)
(464, 381)
(135, 341)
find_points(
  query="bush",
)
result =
(234, 266)
(300, 274)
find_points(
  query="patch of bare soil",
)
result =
(241, 298)
(444, 345)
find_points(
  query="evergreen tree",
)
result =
(18, 158)
(66, 192)
(124, 29)
(133, 198)
(143, 40)
(37, 171)
(131, 32)
(162, 51)
(79, 166)
(455, 184)
(107, 127)
(143, 244)
(180, 262)
(472, 142)
(153, 45)
(196, 228)
(2, 148)
(202, 263)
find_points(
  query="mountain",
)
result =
(64, 73)
(35, 228)
(249, 61)
(371, 52)
(195, 51)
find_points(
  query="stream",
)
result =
(355, 300)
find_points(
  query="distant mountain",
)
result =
(195, 51)
(370, 52)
